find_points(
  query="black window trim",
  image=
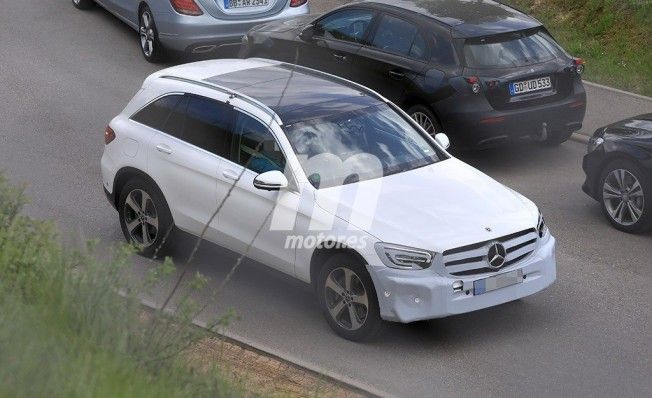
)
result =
(184, 142)
(365, 39)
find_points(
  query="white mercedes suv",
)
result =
(327, 181)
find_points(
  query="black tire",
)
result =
(83, 4)
(328, 298)
(160, 233)
(555, 138)
(636, 202)
(148, 36)
(430, 122)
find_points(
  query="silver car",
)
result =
(194, 26)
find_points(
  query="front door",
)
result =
(336, 40)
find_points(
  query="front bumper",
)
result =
(205, 34)
(476, 124)
(398, 290)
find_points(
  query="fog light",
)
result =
(458, 286)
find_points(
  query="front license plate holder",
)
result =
(486, 285)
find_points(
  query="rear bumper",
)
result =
(477, 124)
(202, 34)
(436, 298)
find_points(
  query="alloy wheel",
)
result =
(424, 121)
(623, 197)
(141, 218)
(147, 35)
(346, 298)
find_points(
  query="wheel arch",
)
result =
(609, 158)
(126, 174)
(322, 253)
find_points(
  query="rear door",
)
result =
(520, 69)
(186, 158)
(337, 38)
(395, 57)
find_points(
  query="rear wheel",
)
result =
(150, 45)
(348, 298)
(626, 196)
(145, 218)
(426, 119)
(83, 4)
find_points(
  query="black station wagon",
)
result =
(481, 71)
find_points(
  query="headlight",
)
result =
(245, 39)
(594, 142)
(402, 257)
(542, 228)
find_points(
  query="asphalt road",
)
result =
(64, 74)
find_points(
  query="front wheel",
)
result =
(626, 196)
(348, 298)
(426, 119)
(150, 45)
(83, 4)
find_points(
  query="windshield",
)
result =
(516, 49)
(358, 145)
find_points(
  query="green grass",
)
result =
(614, 37)
(65, 332)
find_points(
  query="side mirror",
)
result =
(442, 140)
(307, 32)
(271, 181)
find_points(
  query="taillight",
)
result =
(186, 7)
(297, 3)
(579, 65)
(474, 82)
(109, 135)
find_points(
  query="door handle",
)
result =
(340, 57)
(164, 149)
(230, 174)
(396, 74)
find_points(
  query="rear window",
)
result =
(517, 49)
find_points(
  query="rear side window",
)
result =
(208, 125)
(442, 49)
(254, 146)
(395, 35)
(156, 114)
(347, 25)
(516, 49)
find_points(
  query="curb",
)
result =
(616, 90)
(336, 378)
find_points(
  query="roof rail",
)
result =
(230, 92)
(347, 82)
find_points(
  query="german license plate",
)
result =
(528, 86)
(486, 285)
(245, 3)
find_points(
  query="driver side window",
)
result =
(347, 25)
(254, 146)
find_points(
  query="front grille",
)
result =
(472, 259)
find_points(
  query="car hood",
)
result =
(285, 25)
(442, 206)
